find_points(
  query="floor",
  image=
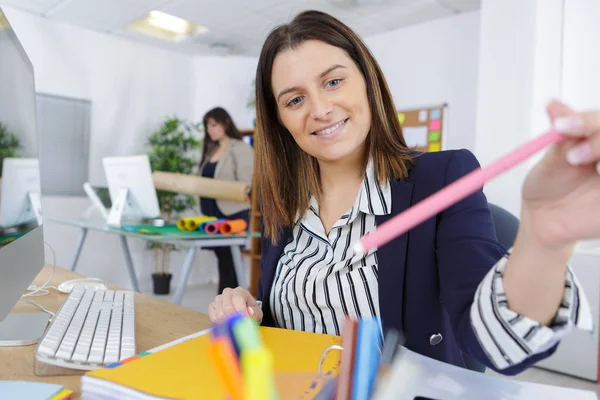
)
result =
(199, 297)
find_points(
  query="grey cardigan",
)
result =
(236, 164)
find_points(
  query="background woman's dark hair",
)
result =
(286, 176)
(220, 116)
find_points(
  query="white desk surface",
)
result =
(416, 375)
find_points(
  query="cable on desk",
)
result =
(43, 290)
(39, 306)
(36, 291)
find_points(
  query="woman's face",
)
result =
(322, 100)
(216, 131)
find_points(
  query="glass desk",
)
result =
(192, 242)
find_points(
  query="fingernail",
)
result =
(598, 168)
(571, 124)
(580, 154)
(250, 311)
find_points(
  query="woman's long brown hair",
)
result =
(286, 176)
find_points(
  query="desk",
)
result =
(157, 322)
(235, 242)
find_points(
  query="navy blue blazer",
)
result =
(427, 277)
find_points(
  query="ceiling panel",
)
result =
(107, 14)
(407, 13)
(150, 4)
(258, 5)
(207, 13)
(462, 5)
(241, 24)
(37, 6)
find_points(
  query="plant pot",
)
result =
(162, 283)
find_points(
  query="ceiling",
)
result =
(239, 26)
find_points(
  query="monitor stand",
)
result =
(22, 329)
(123, 207)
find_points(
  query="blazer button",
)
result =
(435, 339)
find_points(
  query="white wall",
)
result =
(132, 88)
(519, 72)
(226, 82)
(433, 63)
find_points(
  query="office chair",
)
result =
(506, 226)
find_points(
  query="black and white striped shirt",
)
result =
(319, 280)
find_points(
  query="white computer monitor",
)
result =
(131, 189)
(21, 236)
(20, 191)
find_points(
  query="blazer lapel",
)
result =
(223, 160)
(392, 261)
(271, 255)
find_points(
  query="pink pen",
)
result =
(452, 193)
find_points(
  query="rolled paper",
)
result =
(191, 223)
(233, 226)
(213, 227)
(203, 187)
(202, 226)
(181, 225)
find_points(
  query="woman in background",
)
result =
(225, 157)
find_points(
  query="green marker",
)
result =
(246, 334)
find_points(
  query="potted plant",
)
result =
(174, 147)
(9, 144)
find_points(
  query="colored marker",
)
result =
(257, 366)
(366, 360)
(452, 193)
(247, 335)
(231, 322)
(227, 367)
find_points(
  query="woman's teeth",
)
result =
(333, 128)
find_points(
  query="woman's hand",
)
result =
(234, 300)
(561, 205)
(561, 195)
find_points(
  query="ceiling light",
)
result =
(168, 22)
(167, 27)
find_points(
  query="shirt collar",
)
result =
(372, 199)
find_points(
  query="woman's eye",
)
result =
(295, 101)
(334, 82)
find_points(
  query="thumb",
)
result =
(255, 309)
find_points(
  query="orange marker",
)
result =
(227, 367)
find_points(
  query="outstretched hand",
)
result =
(561, 195)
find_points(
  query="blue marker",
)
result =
(230, 324)
(366, 360)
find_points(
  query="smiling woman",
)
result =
(329, 94)
(332, 165)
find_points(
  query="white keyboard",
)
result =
(93, 328)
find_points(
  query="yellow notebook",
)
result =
(184, 371)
